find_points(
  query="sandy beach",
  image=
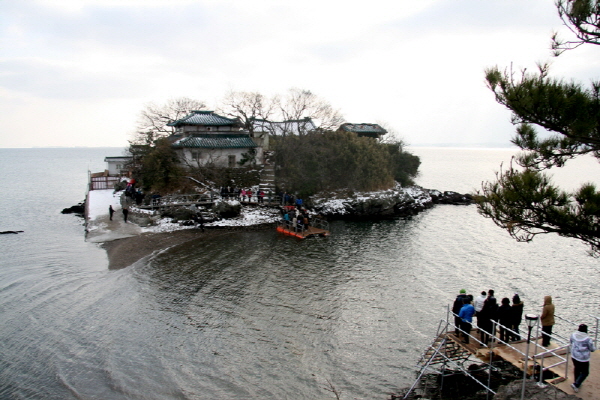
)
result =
(124, 252)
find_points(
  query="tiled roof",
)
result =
(363, 128)
(216, 141)
(208, 118)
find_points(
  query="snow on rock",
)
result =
(250, 216)
(383, 203)
(394, 202)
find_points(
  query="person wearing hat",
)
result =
(581, 348)
(547, 320)
(458, 303)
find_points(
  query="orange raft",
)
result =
(287, 228)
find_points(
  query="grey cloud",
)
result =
(57, 83)
(478, 14)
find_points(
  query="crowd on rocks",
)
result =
(246, 194)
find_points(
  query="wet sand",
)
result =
(124, 252)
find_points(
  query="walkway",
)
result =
(514, 354)
(99, 226)
(450, 352)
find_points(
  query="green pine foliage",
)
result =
(159, 168)
(326, 160)
(523, 199)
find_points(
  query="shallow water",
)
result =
(253, 314)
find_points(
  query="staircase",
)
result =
(442, 350)
(267, 180)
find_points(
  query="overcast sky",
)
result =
(78, 72)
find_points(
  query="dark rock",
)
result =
(179, 214)
(8, 232)
(226, 209)
(513, 390)
(399, 202)
(76, 209)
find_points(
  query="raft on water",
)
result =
(318, 228)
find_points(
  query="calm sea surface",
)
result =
(255, 315)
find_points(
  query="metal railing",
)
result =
(297, 227)
(562, 353)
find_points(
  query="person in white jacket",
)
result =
(581, 348)
(478, 303)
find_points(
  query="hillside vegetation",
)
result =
(325, 160)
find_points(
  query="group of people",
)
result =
(288, 199)
(243, 194)
(486, 309)
(508, 315)
(299, 217)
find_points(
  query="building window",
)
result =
(232, 161)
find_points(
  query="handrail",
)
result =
(564, 360)
(447, 325)
(300, 227)
(290, 226)
(460, 367)
(423, 370)
(535, 357)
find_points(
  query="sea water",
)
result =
(256, 315)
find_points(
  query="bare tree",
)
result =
(300, 104)
(247, 107)
(154, 119)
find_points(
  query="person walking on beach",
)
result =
(111, 211)
(125, 213)
(581, 348)
(547, 320)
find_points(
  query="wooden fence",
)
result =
(103, 182)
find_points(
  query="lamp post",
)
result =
(531, 320)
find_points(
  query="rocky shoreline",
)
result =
(156, 234)
(394, 203)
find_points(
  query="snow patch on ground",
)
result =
(98, 202)
(250, 216)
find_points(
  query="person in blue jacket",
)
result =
(458, 303)
(466, 316)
